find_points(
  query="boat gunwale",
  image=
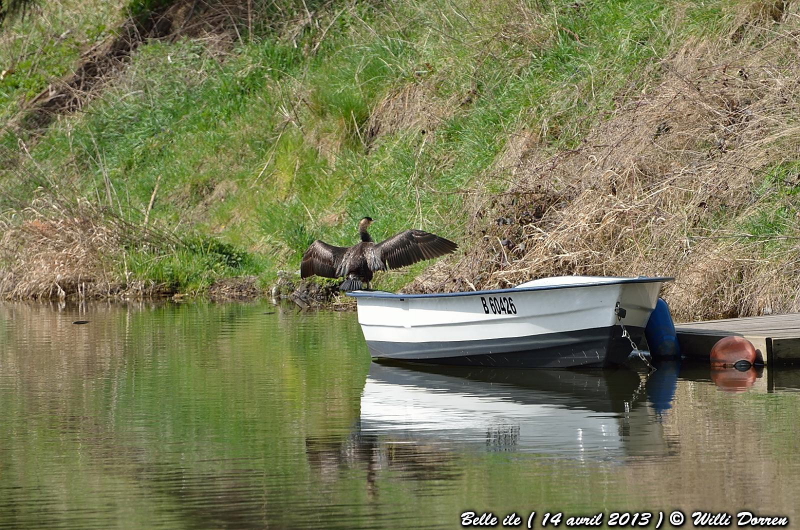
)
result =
(616, 281)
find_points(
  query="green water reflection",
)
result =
(186, 416)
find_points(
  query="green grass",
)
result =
(46, 45)
(775, 213)
(193, 266)
(771, 218)
(265, 146)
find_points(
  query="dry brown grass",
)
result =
(661, 187)
(413, 107)
(70, 250)
(240, 289)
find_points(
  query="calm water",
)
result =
(209, 416)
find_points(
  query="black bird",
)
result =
(358, 263)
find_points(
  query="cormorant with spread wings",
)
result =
(358, 263)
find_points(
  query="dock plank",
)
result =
(777, 337)
(785, 350)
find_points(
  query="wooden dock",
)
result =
(777, 337)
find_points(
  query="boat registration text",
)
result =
(498, 305)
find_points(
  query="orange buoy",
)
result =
(732, 379)
(733, 351)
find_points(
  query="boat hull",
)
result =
(587, 347)
(554, 323)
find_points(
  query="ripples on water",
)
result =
(174, 416)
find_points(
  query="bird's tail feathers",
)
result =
(351, 284)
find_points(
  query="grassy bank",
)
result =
(588, 137)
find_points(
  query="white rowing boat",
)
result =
(562, 322)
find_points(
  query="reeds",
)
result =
(72, 249)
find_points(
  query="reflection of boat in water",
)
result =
(565, 413)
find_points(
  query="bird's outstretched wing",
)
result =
(411, 246)
(321, 259)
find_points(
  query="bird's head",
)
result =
(364, 223)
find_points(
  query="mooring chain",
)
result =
(620, 312)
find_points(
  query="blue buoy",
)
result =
(660, 333)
